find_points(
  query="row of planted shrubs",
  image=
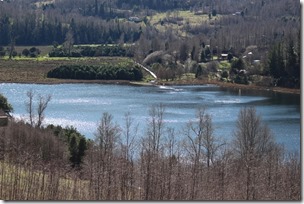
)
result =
(102, 72)
(89, 51)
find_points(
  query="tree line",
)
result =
(91, 51)
(33, 28)
(101, 72)
(285, 63)
(158, 163)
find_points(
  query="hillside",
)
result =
(191, 35)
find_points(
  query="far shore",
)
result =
(169, 83)
(33, 71)
(238, 86)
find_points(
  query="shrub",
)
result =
(25, 52)
(225, 74)
(106, 71)
(241, 79)
(238, 64)
(34, 52)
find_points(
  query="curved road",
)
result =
(148, 70)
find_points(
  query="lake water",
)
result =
(82, 105)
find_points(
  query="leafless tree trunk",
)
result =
(42, 105)
(106, 138)
(150, 153)
(29, 106)
(128, 148)
(252, 141)
(201, 145)
(69, 42)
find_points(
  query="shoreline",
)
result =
(34, 72)
(173, 83)
(238, 86)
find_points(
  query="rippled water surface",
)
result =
(81, 105)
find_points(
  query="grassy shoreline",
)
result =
(34, 71)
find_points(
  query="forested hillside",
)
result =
(172, 36)
(100, 21)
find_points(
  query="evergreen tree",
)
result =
(5, 30)
(4, 105)
(291, 60)
(203, 56)
(193, 52)
(238, 64)
(73, 151)
(276, 62)
(82, 147)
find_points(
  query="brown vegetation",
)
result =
(160, 164)
(35, 70)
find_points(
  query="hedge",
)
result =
(101, 72)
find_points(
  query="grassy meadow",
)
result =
(183, 18)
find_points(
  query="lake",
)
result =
(82, 105)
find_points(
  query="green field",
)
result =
(183, 18)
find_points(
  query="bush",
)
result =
(102, 72)
(225, 74)
(238, 64)
(75, 54)
(241, 79)
(25, 52)
(14, 53)
(213, 66)
(34, 52)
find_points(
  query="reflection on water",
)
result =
(82, 105)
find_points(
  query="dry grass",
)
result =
(19, 183)
(34, 70)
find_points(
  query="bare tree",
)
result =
(201, 146)
(69, 42)
(107, 137)
(156, 126)
(29, 106)
(150, 153)
(43, 102)
(126, 168)
(42, 105)
(252, 141)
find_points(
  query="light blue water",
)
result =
(82, 105)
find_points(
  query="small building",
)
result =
(256, 61)
(3, 118)
(135, 19)
(199, 12)
(224, 56)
